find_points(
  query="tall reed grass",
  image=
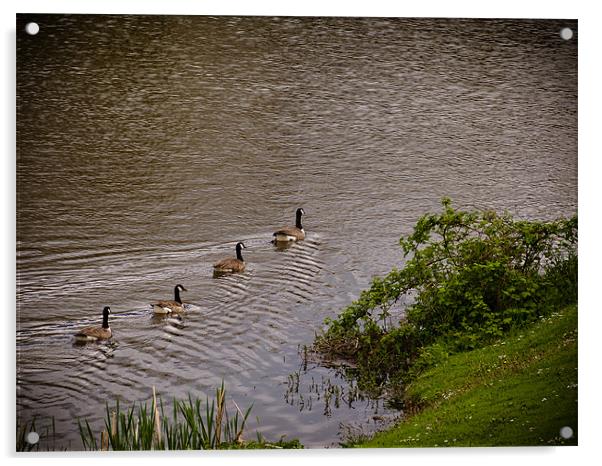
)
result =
(193, 425)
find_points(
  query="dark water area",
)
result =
(148, 146)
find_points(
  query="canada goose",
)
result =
(231, 264)
(96, 333)
(167, 307)
(291, 233)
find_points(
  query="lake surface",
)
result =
(147, 146)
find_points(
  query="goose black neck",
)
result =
(239, 253)
(177, 295)
(298, 222)
(105, 319)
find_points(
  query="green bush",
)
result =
(470, 276)
(430, 356)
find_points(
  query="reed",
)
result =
(195, 424)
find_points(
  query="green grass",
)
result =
(519, 391)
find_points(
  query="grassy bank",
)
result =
(520, 390)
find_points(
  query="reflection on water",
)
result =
(147, 146)
(283, 245)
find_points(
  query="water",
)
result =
(148, 146)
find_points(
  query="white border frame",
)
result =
(589, 173)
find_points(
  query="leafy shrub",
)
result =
(472, 276)
(430, 356)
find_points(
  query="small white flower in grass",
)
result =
(544, 399)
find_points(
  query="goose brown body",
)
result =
(231, 264)
(289, 234)
(96, 333)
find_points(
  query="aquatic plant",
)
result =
(194, 424)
